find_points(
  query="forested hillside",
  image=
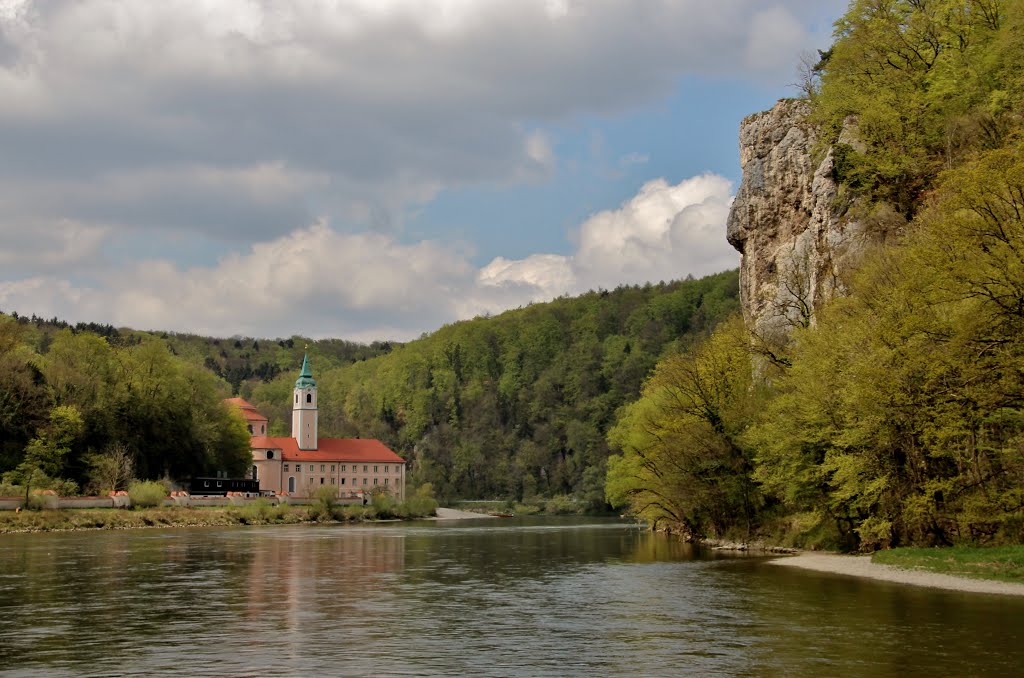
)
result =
(518, 405)
(898, 415)
(512, 406)
(90, 405)
(81, 411)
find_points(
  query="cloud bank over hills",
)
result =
(243, 166)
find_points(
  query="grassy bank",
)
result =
(558, 505)
(258, 513)
(1001, 563)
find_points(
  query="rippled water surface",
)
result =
(514, 597)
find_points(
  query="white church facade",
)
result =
(301, 464)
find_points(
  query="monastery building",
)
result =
(301, 464)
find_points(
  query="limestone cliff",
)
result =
(797, 244)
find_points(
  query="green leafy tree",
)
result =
(682, 460)
(46, 455)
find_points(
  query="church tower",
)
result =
(304, 412)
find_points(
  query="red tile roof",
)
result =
(331, 449)
(247, 409)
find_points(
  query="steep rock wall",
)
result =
(797, 245)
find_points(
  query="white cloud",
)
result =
(385, 103)
(371, 286)
(662, 233)
(51, 246)
(232, 122)
(538, 149)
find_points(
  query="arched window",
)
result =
(309, 397)
(296, 398)
(270, 454)
(254, 474)
(250, 429)
(291, 484)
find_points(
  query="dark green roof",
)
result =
(306, 375)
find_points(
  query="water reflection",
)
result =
(522, 597)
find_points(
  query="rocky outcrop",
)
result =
(797, 244)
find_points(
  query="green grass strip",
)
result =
(1001, 563)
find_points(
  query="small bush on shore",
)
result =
(262, 512)
(353, 513)
(561, 504)
(147, 493)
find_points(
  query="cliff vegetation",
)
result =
(889, 413)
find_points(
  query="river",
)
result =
(509, 597)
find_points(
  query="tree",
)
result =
(46, 454)
(112, 470)
(682, 460)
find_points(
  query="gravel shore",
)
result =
(861, 566)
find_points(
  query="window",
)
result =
(321, 480)
(364, 468)
(311, 480)
(332, 468)
(250, 429)
(310, 468)
(353, 481)
(374, 481)
(309, 397)
(270, 454)
(374, 469)
(263, 428)
(286, 468)
(296, 397)
(332, 481)
(254, 473)
(342, 468)
(364, 481)
(385, 481)
(342, 481)
(291, 483)
(322, 467)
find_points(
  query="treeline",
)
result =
(240, 361)
(85, 413)
(515, 406)
(898, 417)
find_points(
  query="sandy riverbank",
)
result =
(861, 566)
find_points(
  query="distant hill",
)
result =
(516, 405)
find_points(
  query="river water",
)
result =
(508, 597)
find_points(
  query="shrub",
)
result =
(419, 506)
(383, 505)
(560, 504)
(261, 511)
(326, 496)
(353, 512)
(320, 513)
(147, 493)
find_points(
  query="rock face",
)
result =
(797, 246)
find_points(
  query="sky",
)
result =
(372, 169)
